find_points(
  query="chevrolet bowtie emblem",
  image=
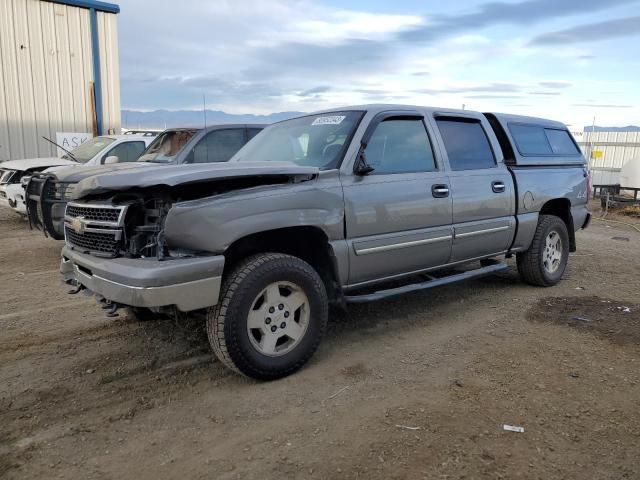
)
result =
(78, 225)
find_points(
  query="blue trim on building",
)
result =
(97, 81)
(95, 4)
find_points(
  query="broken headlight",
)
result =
(64, 191)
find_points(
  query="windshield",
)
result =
(315, 140)
(165, 148)
(5, 175)
(89, 149)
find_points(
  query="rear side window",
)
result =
(535, 140)
(400, 146)
(561, 142)
(530, 140)
(217, 146)
(466, 143)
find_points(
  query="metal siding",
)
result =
(45, 86)
(4, 124)
(10, 87)
(38, 52)
(109, 71)
(87, 67)
(26, 94)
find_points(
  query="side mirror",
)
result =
(362, 167)
(111, 159)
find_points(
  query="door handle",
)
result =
(497, 187)
(440, 191)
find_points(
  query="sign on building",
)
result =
(70, 140)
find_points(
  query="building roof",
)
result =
(95, 4)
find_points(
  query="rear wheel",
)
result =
(546, 260)
(270, 318)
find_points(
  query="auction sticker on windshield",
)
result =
(331, 120)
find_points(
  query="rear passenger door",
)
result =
(398, 217)
(218, 146)
(481, 187)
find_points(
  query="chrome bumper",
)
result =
(187, 283)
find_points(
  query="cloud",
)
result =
(493, 96)
(519, 13)
(315, 91)
(601, 105)
(590, 32)
(262, 56)
(492, 87)
(555, 84)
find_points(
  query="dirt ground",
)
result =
(416, 387)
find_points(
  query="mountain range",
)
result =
(160, 119)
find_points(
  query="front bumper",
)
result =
(187, 283)
(12, 196)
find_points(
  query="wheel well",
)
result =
(561, 207)
(310, 244)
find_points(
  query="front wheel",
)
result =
(270, 318)
(546, 260)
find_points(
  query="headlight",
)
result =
(64, 191)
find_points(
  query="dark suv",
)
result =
(48, 193)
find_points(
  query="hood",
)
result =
(172, 175)
(28, 163)
(77, 172)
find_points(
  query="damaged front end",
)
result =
(125, 225)
(115, 242)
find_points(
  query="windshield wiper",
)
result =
(62, 148)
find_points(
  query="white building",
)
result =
(58, 73)
(607, 152)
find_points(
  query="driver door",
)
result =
(398, 217)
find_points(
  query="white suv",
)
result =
(93, 152)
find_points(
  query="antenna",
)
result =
(204, 109)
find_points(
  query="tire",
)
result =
(250, 314)
(540, 265)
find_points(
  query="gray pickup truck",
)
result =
(348, 205)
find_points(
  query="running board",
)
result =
(436, 282)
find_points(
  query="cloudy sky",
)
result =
(565, 59)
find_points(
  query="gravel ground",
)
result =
(416, 387)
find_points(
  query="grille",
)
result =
(103, 243)
(97, 214)
(50, 190)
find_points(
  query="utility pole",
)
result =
(204, 110)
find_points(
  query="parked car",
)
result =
(94, 151)
(349, 205)
(50, 191)
(11, 174)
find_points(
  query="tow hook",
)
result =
(111, 308)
